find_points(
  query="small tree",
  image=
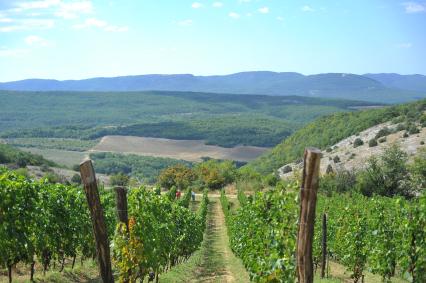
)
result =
(372, 143)
(178, 175)
(119, 179)
(358, 142)
(336, 159)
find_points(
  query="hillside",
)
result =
(219, 119)
(345, 156)
(371, 87)
(410, 82)
(329, 130)
(12, 155)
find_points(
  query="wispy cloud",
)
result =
(185, 23)
(404, 45)
(280, 19)
(5, 52)
(234, 15)
(307, 8)
(414, 7)
(34, 40)
(196, 5)
(28, 24)
(96, 23)
(39, 4)
(264, 10)
(217, 4)
(74, 9)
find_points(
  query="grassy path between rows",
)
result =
(214, 261)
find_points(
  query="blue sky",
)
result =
(63, 39)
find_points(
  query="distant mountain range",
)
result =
(391, 88)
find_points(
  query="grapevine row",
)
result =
(385, 236)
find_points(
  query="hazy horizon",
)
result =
(76, 39)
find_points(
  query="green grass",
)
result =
(214, 261)
(88, 272)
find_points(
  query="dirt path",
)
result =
(218, 263)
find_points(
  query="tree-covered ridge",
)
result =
(9, 154)
(220, 119)
(144, 168)
(329, 130)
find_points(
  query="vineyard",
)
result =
(49, 223)
(386, 236)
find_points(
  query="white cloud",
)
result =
(66, 10)
(234, 15)
(244, 1)
(29, 24)
(196, 5)
(73, 9)
(280, 19)
(264, 10)
(34, 40)
(404, 45)
(38, 4)
(96, 23)
(4, 52)
(414, 7)
(217, 4)
(249, 14)
(185, 23)
(307, 8)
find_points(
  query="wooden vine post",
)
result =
(121, 201)
(324, 245)
(88, 178)
(308, 199)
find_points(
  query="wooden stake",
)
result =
(308, 198)
(324, 245)
(121, 205)
(98, 221)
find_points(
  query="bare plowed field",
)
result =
(191, 150)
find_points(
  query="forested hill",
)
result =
(219, 119)
(391, 88)
(329, 130)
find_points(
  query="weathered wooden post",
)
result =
(121, 204)
(308, 198)
(98, 221)
(324, 245)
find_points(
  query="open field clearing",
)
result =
(190, 150)
(64, 157)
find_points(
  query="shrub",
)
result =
(336, 159)
(358, 142)
(387, 175)
(382, 140)
(119, 179)
(329, 169)
(328, 149)
(76, 179)
(400, 127)
(422, 142)
(383, 132)
(413, 130)
(287, 169)
(372, 143)
(405, 135)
